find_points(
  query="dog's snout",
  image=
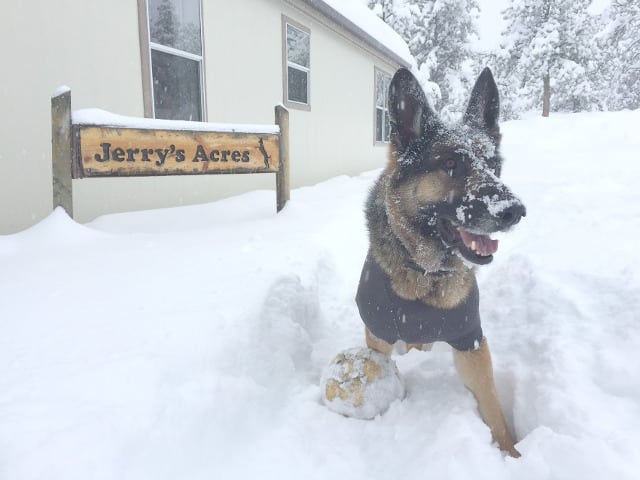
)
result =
(502, 209)
(512, 214)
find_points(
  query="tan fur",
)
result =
(429, 188)
(417, 246)
(446, 291)
(376, 344)
(476, 371)
(381, 346)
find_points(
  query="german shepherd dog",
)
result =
(430, 216)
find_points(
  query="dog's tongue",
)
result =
(481, 244)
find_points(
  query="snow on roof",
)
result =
(365, 24)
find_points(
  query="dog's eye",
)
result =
(450, 166)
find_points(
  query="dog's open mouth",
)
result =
(476, 248)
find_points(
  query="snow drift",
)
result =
(189, 342)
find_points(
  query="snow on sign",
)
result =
(94, 143)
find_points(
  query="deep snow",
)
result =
(189, 342)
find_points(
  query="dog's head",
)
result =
(446, 180)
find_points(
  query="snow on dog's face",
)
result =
(446, 179)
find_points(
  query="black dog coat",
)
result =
(391, 318)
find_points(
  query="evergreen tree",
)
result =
(549, 57)
(438, 33)
(396, 14)
(620, 41)
(168, 29)
(387, 10)
(164, 24)
(441, 46)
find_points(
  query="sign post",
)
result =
(282, 176)
(62, 151)
(143, 147)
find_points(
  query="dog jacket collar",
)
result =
(391, 318)
(414, 266)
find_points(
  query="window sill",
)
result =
(305, 107)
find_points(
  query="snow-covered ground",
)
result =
(189, 343)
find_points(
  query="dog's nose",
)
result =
(512, 214)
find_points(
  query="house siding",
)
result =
(93, 47)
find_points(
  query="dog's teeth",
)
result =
(473, 245)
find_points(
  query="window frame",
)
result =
(146, 45)
(385, 108)
(286, 64)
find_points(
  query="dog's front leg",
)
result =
(374, 343)
(476, 372)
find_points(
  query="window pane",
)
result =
(176, 87)
(387, 126)
(176, 23)
(297, 85)
(297, 46)
(379, 117)
(381, 91)
(382, 128)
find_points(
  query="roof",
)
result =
(356, 18)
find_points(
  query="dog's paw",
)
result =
(361, 383)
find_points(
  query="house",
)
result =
(328, 61)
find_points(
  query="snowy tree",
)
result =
(549, 57)
(169, 29)
(441, 46)
(621, 44)
(387, 10)
(439, 34)
(396, 14)
(164, 24)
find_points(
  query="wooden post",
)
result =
(283, 193)
(61, 143)
(546, 95)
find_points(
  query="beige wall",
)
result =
(336, 135)
(47, 44)
(93, 47)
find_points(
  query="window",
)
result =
(297, 64)
(175, 57)
(382, 127)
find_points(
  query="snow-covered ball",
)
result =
(361, 383)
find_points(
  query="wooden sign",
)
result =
(128, 149)
(120, 152)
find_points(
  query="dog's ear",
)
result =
(484, 105)
(409, 110)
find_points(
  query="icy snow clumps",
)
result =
(361, 383)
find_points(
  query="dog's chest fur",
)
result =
(446, 281)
